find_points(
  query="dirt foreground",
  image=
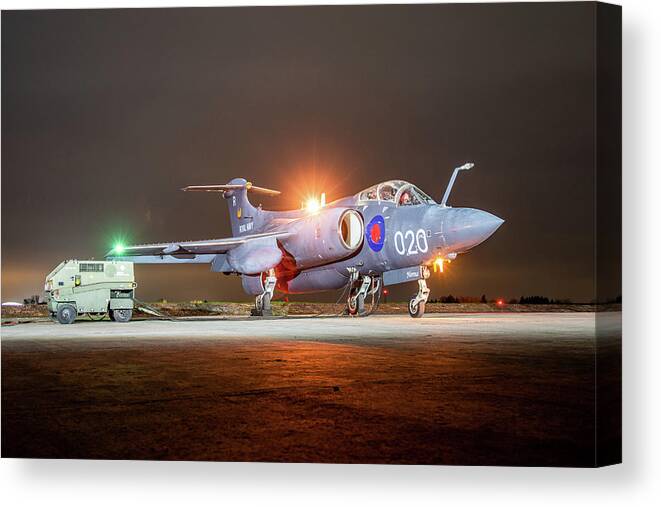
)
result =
(480, 389)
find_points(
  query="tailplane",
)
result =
(244, 217)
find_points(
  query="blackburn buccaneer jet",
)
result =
(387, 234)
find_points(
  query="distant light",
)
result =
(118, 249)
(500, 302)
(438, 264)
(385, 292)
(313, 205)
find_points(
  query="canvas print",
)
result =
(384, 234)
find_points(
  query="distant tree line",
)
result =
(542, 300)
(451, 299)
(461, 299)
(523, 300)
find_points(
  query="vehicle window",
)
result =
(96, 267)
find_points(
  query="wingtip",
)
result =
(264, 191)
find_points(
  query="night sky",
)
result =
(107, 113)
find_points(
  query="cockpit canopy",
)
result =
(399, 192)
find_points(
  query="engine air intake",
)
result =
(351, 229)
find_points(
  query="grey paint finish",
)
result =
(307, 251)
(255, 257)
(402, 275)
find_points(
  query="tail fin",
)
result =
(244, 217)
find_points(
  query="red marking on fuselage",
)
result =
(375, 233)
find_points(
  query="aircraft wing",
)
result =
(203, 251)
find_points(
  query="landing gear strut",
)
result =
(356, 300)
(418, 301)
(361, 289)
(263, 301)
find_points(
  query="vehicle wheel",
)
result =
(66, 314)
(416, 311)
(121, 315)
(111, 315)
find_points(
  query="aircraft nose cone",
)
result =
(484, 224)
(464, 228)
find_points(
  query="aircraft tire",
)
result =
(352, 305)
(360, 300)
(121, 315)
(263, 307)
(267, 310)
(418, 310)
(66, 314)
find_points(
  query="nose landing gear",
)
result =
(263, 301)
(418, 301)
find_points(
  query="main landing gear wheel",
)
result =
(352, 304)
(356, 299)
(263, 301)
(262, 306)
(66, 314)
(121, 315)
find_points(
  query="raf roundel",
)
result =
(375, 233)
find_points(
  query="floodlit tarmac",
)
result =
(382, 327)
(497, 388)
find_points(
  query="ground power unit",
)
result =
(95, 288)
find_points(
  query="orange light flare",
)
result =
(313, 205)
(500, 302)
(439, 264)
(320, 172)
